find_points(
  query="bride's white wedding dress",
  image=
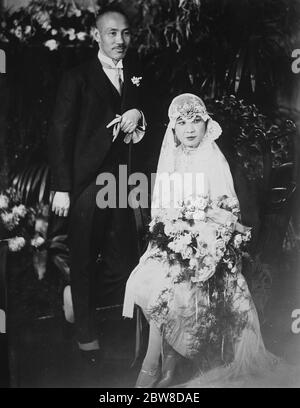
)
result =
(184, 312)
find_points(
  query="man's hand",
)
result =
(61, 203)
(130, 120)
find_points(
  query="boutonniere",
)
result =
(136, 80)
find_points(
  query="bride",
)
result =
(189, 282)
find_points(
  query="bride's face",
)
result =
(190, 132)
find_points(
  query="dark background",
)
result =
(236, 55)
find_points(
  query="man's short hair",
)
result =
(111, 9)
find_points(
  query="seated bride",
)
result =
(189, 282)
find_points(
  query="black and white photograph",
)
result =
(149, 195)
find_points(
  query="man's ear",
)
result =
(96, 34)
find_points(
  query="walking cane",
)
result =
(139, 228)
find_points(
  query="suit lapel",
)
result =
(130, 92)
(102, 85)
(100, 82)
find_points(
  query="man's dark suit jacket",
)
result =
(81, 147)
(78, 139)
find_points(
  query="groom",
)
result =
(80, 148)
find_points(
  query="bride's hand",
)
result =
(242, 228)
(61, 203)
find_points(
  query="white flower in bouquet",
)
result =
(220, 248)
(202, 275)
(247, 235)
(170, 229)
(234, 269)
(237, 241)
(10, 220)
(37, 242)
(201, 203)
(4, 202)
(193, 263)
(232, 203)
(81, 36)
(16, 244)
(189, 214)
(185, 239)
(19, 210)
(224, 233)
(220, 244)
(186, 252)
(209, 261)
(201, 250)
(199, 215)
(230, 265)
(51, 44)
(54, 31)
(180, 243)
(174, 246)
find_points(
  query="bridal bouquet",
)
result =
(199, 234)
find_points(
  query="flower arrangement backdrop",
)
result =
(236, 55)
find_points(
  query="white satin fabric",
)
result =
(207, 160)
(252, 364)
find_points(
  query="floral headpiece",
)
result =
(187, 106)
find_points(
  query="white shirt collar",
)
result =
(109, 61)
